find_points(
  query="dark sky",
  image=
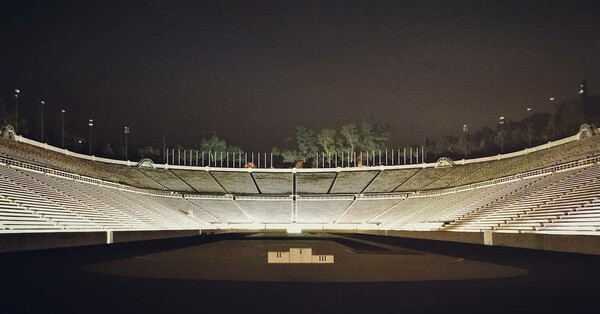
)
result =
(253, 70)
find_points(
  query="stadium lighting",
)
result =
(502, 134)
(62, 127)
(42, 103)
(465, 129)
(529, 127)
(17, 92)
(91, 124)
(553, 119)
(126, 133)
(581, 101)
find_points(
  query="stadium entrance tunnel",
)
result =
(244, 258)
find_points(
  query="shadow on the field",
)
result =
(74, 256)
(537, 261)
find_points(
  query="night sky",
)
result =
(253, 70)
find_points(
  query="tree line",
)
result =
(308, 143)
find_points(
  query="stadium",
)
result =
(119, 231)
(299, 156)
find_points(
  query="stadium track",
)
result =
(79, 280)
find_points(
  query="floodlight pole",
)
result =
(581, 91)
(17, 110)
(126, 146)
(42, 126)
(91, 124)
(62, 127)
(529, 127)
(553, 118)
(502, 134)
(465, 129)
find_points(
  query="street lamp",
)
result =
(465, 129)
(62, 127)
(502, 134)
(126, 133)
(553, 118)
(42, 126)
(91, 124)
(17, 92)
(529, 127)
(581, 100)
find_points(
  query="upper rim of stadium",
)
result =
(379, 179)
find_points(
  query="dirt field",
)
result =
(229, 273)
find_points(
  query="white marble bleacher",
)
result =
(572, 210)
(30, 195)
(535, 207)
(583, 220)
(180, 216)
(274, 182)
(321, 209)
(46, 158)
(201, 181)
(388, 180)
(492, 214)
(16, 217)
(216, 210)
(480, 197)
(352, 182)
(132, 174)
(366, 208)
(105, 196)
(237, 182)
(425, 177)
(77, 191)
(409, 205)
(314, 183)
(54, 190)
(167, 179)
(453, 176)
(433, 216)
(535, 210)
(165, 217)
(94, 169)
(424, 216)
(576, 150)
(267, 209)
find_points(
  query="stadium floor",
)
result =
(229, 273)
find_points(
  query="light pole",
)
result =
(17, 92)
(62, 127)
(42, 124)
(502, 134)
(553, 118)
(91, 124)
(581, 91)
(126, 133)
(529, 127)
(465, 129)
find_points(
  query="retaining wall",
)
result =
(12, 242)
(584, 244)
